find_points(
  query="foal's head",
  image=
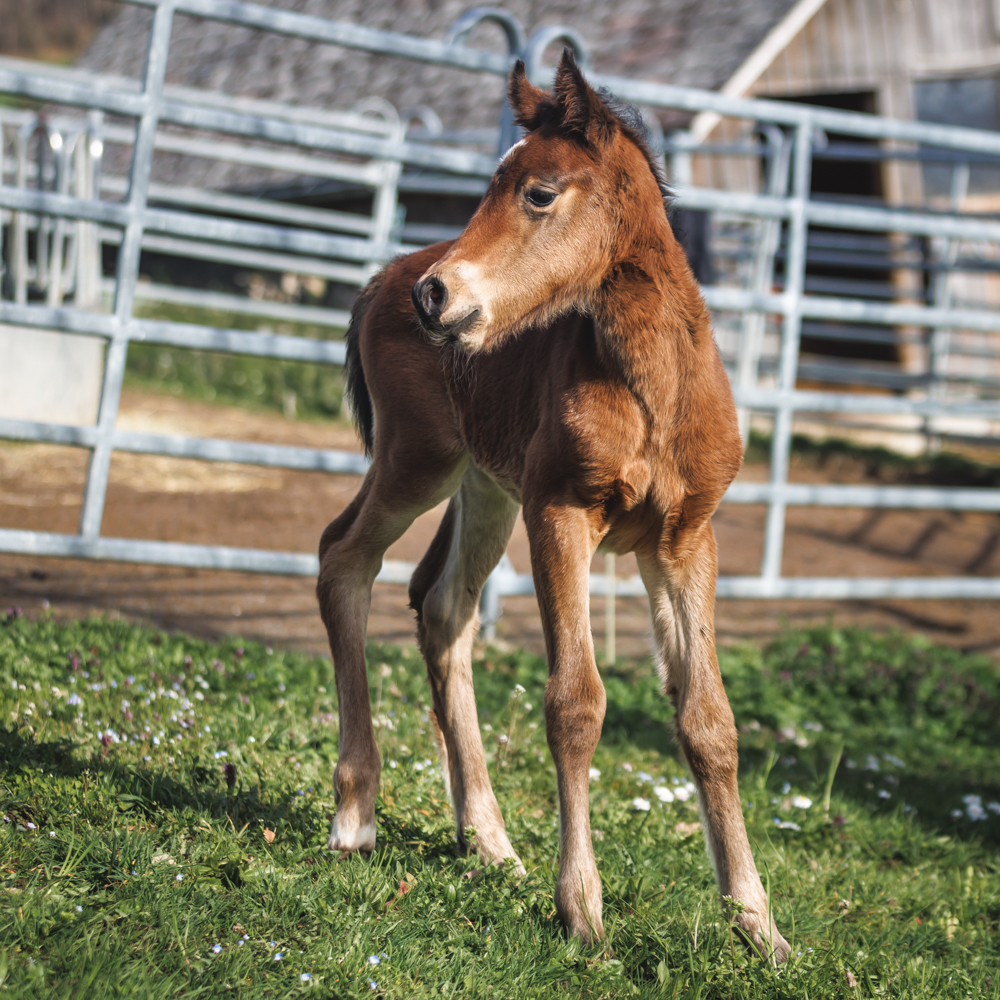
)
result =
(578, 195)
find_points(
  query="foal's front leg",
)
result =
(682, 597)
(561, 550)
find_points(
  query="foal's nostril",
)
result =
(430, 297)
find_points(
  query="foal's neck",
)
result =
(650, 319)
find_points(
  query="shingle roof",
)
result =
(695, 42)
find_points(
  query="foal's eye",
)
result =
(539, 197)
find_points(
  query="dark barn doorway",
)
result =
(845, 262)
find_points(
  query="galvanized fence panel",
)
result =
(149, 118)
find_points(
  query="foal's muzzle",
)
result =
(430, 299)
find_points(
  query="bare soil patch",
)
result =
(173, 499)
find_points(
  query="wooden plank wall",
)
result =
(885, 46)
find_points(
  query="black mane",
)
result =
(634, 126)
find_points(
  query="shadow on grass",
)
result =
(141, 790)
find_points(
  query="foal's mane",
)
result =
(634, 127)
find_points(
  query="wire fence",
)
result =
(82, 180)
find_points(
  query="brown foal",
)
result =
(556, 356)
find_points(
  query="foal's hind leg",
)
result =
(351, 551)
(682, 597)
(445, 593)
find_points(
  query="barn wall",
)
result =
(884, 46)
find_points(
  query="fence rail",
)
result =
(143, 119)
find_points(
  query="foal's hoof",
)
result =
(346, 836)
(581, 912)
(770, 947)
(494, 848)
(589, 933)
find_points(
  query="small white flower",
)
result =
(802, 802)
(31, 826)
(683, 792)
(179, 877)
(594, 774)
(517, 692)
(973, 807)
(787, 825)
(393, 763)
(883, 794)
(79, 909)
(305, 977)
(640, 804)
(663, 793)
(250, 739)
(278, 956)
(374, 960)
(503, 739)
(52, 833)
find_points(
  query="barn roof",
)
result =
(700, 43)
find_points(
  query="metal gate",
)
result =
(370, 146)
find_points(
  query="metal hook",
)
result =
(517, 41)
(424, 115)
(517, 38)
(542, 39)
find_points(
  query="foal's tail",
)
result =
(358, 397)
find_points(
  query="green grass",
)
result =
(942, 468)
(314, 390)
(129, 868)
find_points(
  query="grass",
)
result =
(294, 388)
(167, 802)
(942, 468)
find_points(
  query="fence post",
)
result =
(128, 270)
(769, 234)
(610, 651)
(795, 267)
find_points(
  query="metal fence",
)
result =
(57, 213)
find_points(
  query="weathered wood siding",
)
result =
(885, 46)
(880, 44)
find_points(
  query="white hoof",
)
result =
(347, 837)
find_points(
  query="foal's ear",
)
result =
(525, 99)
(583, 111)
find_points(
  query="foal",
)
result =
(556, 356)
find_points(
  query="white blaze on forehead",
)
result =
(505, 157)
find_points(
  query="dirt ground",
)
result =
(180, 500)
